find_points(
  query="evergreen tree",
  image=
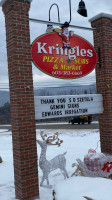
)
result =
(5, 114)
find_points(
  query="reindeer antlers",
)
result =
(54, 140)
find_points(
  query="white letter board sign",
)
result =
(67, 105)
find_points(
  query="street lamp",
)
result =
(50, 27)
(81, 10)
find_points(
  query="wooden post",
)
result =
(21, 98)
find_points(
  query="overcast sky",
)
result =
(39, 10)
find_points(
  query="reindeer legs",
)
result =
(64, 172)
(42, 180)
(44, 177)
(47, 181)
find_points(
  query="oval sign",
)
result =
(74, 61)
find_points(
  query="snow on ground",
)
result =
(75, 142)
(76, 188)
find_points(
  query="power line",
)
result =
(4, 83)
(71, 87)
(53, 85)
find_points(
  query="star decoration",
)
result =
(68, 60)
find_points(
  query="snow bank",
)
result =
(76, 188)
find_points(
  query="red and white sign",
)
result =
(74, 61)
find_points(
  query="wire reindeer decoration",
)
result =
(58, 162)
